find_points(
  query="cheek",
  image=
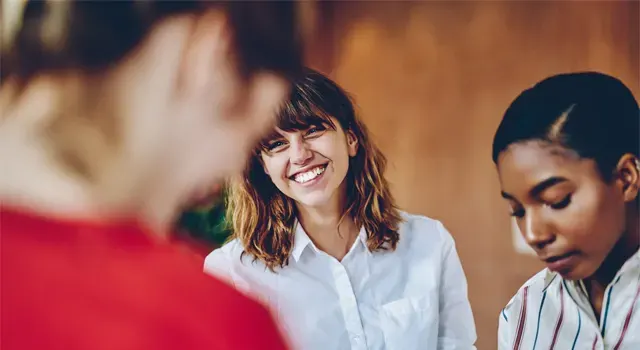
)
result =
(341, 161)
(592, 220)
(276, 170)
(331, 146)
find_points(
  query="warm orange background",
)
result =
(432, 80)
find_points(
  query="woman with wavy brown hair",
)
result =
(317, 236)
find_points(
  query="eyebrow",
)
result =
(539, 188)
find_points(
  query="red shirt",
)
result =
(81, 285)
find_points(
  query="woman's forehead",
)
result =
(528, 163)
(297, 122)
(536, 154)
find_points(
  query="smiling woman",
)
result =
(318, 237)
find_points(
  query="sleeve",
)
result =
(457, 329)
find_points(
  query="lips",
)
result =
(561, 263)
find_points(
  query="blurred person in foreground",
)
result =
(318, 236)
(114, 116)
(567, 155)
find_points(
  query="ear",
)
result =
(206, 55)
(352, 143)
(628, 173)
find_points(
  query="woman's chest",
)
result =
(353, 306)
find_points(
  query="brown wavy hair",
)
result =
(263, 218)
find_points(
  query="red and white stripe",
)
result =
(627, 320)
(522, 320)
(556, 331)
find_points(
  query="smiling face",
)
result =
(566, 212)
(309, 165)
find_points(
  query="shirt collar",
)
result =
(549, 277)
(362, 236)
(301, 240)
(631, 264)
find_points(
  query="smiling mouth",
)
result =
(309, 175)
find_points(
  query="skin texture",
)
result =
(186, 120)
(320, 202)
(297, 151)
(563, 206)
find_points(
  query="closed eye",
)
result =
(562, 204)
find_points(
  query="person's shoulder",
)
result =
(214, 297)
(420, 228)
(225, 254)
(532, 289)
(418, 222)
(177, 268)
(231, 256)
(207, 310)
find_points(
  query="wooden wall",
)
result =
(432, 80)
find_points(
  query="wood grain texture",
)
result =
(432, 80)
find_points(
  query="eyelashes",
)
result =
(563, 203)
(278, 143)
(273, 145)
(517, 213)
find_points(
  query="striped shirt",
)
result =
(549, 312)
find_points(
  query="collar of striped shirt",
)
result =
(549, 312)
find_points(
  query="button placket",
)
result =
(349, 306)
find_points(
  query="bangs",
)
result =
(297, 115)
(300, 114)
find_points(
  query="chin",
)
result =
(576, 273)
(313, 200)
(569, 276)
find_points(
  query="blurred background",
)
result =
(431, 80)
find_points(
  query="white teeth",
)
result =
(309, 175)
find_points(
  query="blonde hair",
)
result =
(263, 218)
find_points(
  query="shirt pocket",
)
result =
(410, 323)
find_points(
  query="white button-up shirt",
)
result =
(412, 298)
(549, 312)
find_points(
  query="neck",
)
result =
(32, 179)
(624, 249)
(328, 228)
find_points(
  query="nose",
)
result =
(537, 232)
(300, 152)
